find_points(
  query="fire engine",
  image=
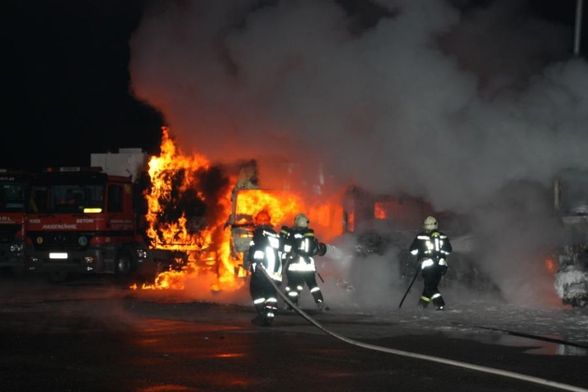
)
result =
(14, 187)
(83, 220)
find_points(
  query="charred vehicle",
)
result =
(82, 220)
(571, 203)
(14, 190)
(385, 225)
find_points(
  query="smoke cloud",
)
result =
(444, 100)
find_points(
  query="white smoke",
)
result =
(407, 104)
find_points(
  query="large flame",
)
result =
(208, 245)
(171, 235)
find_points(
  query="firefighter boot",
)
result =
(317, 295)
(320, 305)
(438, 302)
(268, 319)
(424, 302)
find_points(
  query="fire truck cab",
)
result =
(82, 220)
(14, 189)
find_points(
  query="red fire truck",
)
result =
(13, 193)
(82, 220)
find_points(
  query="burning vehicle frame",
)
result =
(383, 225)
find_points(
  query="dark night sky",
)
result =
(66, 76)
(67, 83)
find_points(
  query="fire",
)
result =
(279, 206)
(171, 235)
(206, 240)
(380, 211)
(174, 175)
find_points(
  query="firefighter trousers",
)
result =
(432, 276)
(296, 282)
(263, 294)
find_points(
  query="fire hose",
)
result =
(430, 358)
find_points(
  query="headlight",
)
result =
(83, 240)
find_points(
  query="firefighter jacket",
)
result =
(264, 249)
(431, 248)
(298, 246)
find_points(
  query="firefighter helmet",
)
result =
(262, 218)
(301, 220)
(430, 223)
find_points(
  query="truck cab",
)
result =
(82, 220)
(14, 190)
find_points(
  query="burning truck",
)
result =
(205, 211)
(571, 203)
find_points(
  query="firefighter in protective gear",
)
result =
(298, 246)
(431, 248)
(264, 253)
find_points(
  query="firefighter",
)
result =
(299, 245)
(264, 253)
(431, 248)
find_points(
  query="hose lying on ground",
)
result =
(430, 358)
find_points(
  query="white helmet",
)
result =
(430, 223)
(301, 220)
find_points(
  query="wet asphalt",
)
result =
(100, 336)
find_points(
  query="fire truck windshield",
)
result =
(67, 198)
(12, 196)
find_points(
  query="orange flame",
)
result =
(280, 207)
(163, 235)
(207, 247)
(380, 211)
